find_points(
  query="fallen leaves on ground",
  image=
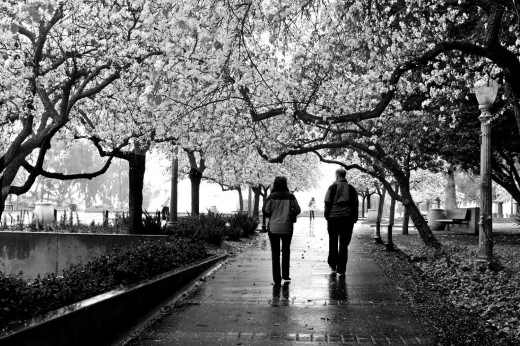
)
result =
(458, 302)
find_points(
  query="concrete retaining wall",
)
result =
(105, 319)
(42, 253)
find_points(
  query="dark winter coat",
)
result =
(341, 200)
(278, 208)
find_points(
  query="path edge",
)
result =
(115, 315)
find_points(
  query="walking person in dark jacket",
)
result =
(341, 213)
(278, 207)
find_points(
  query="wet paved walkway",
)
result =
(238, 305)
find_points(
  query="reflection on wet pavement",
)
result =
(280, 295)
(239, 305)
(337, 288)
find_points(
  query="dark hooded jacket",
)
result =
(341, 200)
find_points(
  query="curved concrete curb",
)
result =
(101, 320)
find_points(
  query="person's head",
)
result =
(341, 174)
(280, 185)
(312, 198)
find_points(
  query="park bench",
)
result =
(457, 216)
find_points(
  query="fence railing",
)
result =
(25, 217)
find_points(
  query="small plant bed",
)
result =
(20, 300)
(457, 302)
(215, 228)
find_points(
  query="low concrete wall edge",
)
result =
(104, 317)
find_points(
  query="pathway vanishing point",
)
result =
(238, 304)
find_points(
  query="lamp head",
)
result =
(486, 91)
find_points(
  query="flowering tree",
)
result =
(246, 167)
(426, 186)
(351, 59)
(365, 187)
(110, 188)
(57, 57)
(97, 69)
(361, 72)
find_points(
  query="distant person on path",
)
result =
(341, 213)
(312, 208)
(277, 207)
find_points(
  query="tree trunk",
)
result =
(377, 236)
(450, 189)
(363, 206)
(249, 204)
(137, 168)
(390, 241)
(7, 177)
(420, 223)
(406, 218)
(195, 178)
(368, 200)
(240, 200)
(256, 206)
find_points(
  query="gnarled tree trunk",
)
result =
(420, 223)
(195, 176)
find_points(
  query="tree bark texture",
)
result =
(406, 218)
(256, 205)
(377, 236)
(418, 219)
(390, 241)
(137, 168)
(240, 200)
(195, 178)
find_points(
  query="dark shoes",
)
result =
(287, 279)
(332, 271)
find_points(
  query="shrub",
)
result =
(186, 227)
(152, 224)
(247, 223)
(234, 232)
(20, 300)
(210, 227)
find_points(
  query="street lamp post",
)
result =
(172, 222)
(486, 92)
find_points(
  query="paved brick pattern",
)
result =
(239, 305)
(246, 338)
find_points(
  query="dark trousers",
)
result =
(311, 214)
(275, 254)
(340, 234)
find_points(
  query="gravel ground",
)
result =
(458, 302)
